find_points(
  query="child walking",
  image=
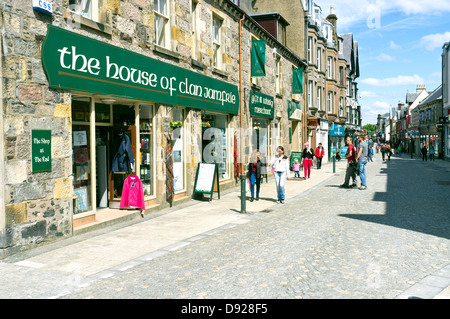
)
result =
(296, 168)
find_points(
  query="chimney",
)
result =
(420, 88)
(332, 17)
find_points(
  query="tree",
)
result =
(370, 128)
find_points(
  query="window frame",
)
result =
(217, 43)
(165, 16)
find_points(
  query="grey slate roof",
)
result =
(435, 95)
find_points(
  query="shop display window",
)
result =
(81, 165)
(178, 148)
(146, 148)
(259, 136)
(215, 141)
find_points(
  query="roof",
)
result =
(435, 95)
(269, 16)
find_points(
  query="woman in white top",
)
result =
(280, 164)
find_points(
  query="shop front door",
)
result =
(118, 173)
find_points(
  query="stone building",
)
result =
(427, 114)
(97, 94)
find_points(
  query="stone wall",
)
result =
(38, 206)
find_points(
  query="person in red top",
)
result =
(319, 154)
(351, 163)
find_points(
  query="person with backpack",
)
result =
(383, 151)
(432, 153)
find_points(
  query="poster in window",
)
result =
(79, 138)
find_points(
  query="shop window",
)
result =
(81, 161)
(215, 141)
(162, 23)
(178, 148)
(81, 164)
(102, 113)
(260, 134)
(80, 111)
(146, 148)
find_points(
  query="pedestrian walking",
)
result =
(351, 163)
(319, 154)
(370, 153)
(280, 164)
(363, 152)
(388, 151)
(307, 159)
(383, 152)
(254, 174)
(432, 153)
(424, 153)
(296, 168)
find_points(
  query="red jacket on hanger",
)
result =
(132, 193)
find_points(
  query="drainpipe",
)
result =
(241, 109)
(2, 159)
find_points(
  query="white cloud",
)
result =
(370, 12)
(434, 41)
(393, 45)
(400, 80)
(384, 57)
(368, 94)
(370, 112)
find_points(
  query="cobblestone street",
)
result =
(326, 242)
(329, 243)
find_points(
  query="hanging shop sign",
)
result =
(337, 130)
(75, 62)
(261, 105)
(41, 150)
(294, 111)
(258, 57)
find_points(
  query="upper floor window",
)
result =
(278, 74)
(330, 102)
(310, 47)
(162, 23)
(319, 58)
(341, 106)
(330, 68)
(281, 33)
(217, 38)
(194, 28)
(86, 8)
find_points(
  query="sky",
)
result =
(400, 46)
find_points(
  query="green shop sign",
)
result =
(41, 150)
(75, 62)
(261, 105)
